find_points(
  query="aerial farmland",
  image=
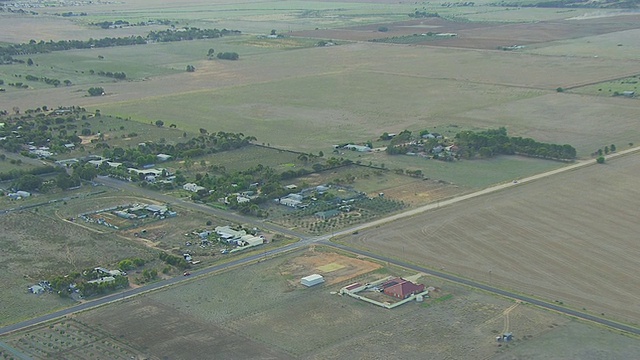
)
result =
(171, 171)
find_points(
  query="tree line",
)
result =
(169, 35)
(496, 141)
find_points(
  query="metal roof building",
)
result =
(312, 280)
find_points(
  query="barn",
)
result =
(312, 280)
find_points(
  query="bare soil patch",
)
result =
(162, 333)
(335, 268)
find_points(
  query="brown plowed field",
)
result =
(571, 238)
(482, 35)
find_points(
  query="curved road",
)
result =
(305, 241)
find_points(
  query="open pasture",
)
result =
(481, 35)
(545, 239)
(610, 88)
(461, 174)
(566, 119)
(492, 37)
(244, 158)
(217, 314)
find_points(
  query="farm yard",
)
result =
(218, 314)
(37, 245)
(544, 239)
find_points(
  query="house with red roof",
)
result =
(401, 288)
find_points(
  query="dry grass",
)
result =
(569, 238)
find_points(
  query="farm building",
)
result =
(359, 148)
(401, 288)
(228, 234)
(36, 289)
(192, 187)
(312, 280)
(163, 157)
(105, 279)
(327, 214)
(19, 195)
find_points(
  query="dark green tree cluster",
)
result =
(423, 14)
(228, 56)
(17, 173)
(197, 146)
(114, 75)
(494, 142)
(398, 144)
(34, 47)
(189, 33)
(89, 289)
(44, 79)
(129, 264)
(96, 91)
(41, 128)
(173, 260)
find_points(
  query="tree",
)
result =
(612, 148)
(210, 53)
(28, 182)
(159, 123)
(606, 149)
(560, 89)
(64, 181)
(29, 62)
(273, 31)
(383, 29)
(320, 154)
(191, 68)
(67, 82)
(228, 56)
(600, 160)
(96, 91)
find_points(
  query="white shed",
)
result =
(312, 280)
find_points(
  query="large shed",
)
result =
(312, 280)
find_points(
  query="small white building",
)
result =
(192, 187)
(312, 280)
(36, 289)
(163, 157)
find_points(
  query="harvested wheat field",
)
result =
(570, 238)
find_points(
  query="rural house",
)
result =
(401, 288)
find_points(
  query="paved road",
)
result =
(305, 241)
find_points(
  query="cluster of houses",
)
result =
(149, 173)
(129, 212)
(18, 195)
(40, 288)
(106, 276)
(141, 211)
(239, 238)
(297, 200)
(103, 276)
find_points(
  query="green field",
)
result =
(470, 174)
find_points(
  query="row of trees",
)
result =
(173, 260)
(188, 33)
(494, 142)
(46, 80)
